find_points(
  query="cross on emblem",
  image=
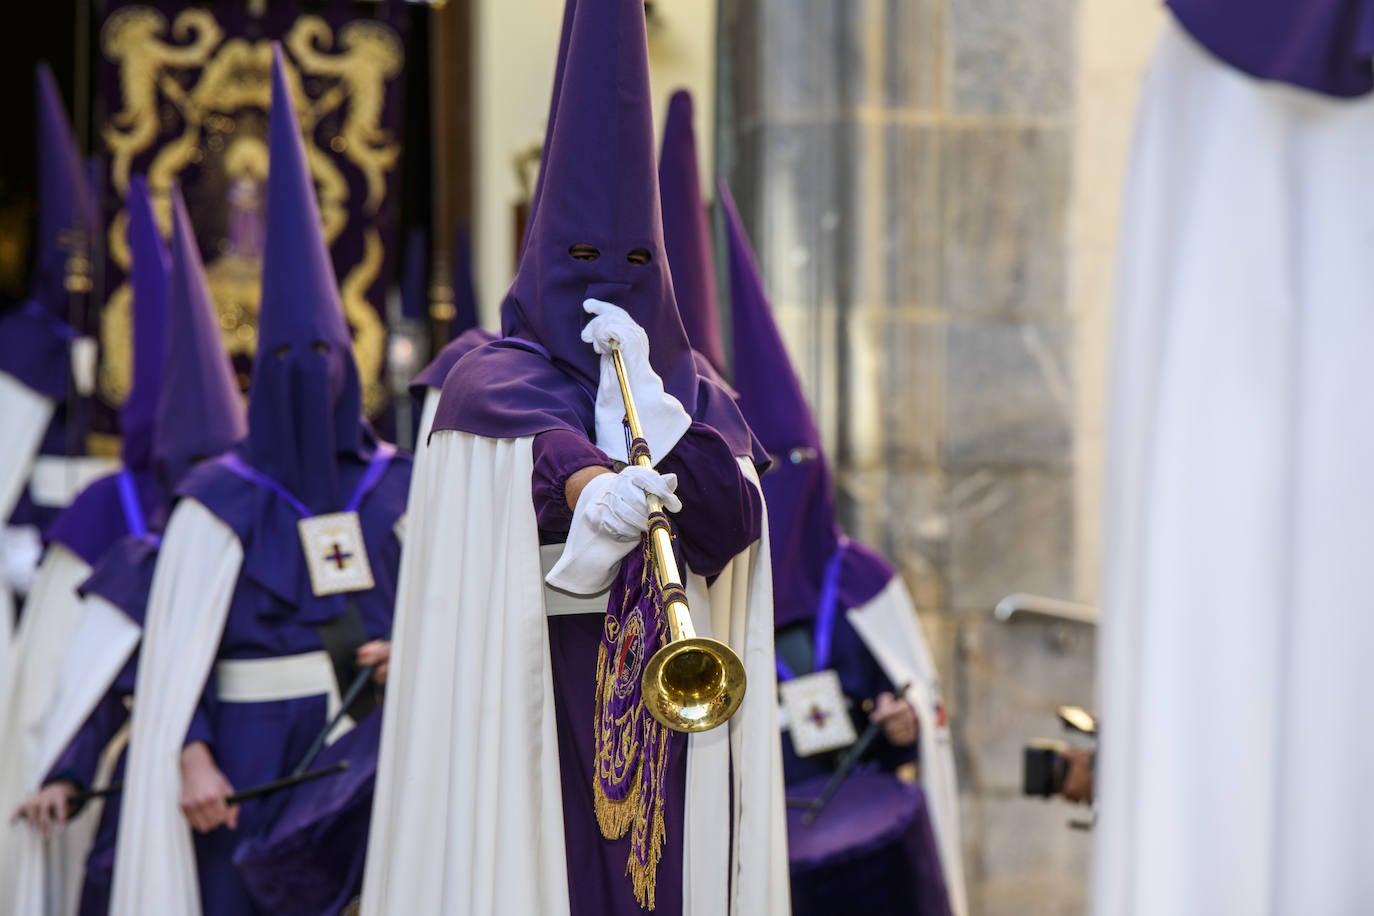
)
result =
(338, 556)
(818, 716)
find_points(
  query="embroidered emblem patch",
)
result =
(816, 712)
(335, 553)
(631, 745)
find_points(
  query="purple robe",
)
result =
(273, 613)
(308, 452)
(871, 850)
(721, 516)
(123, 577)
(184, 405)
(310, 859)
(1326, 46)
(598, 187)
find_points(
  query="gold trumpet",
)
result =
(693, 683)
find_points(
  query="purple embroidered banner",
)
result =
(631, 745)
(185, 91)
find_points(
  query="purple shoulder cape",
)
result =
(310, 858)
(510, 387)
(33, 349)
(1323, 45)
(97, 518)
(124, 575)
(265, 523)
(433, 375)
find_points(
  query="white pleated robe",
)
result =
(467, 817)
(1237, 639)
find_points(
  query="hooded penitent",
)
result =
(597, 197)
(686, 232)
(199, 414)
(35, 336)
(135, 498)
(805, 535)
(601, 191)
(305, 403)
(67, 220)
(308, 448)
(199, 411)
(595, 221)
(464, 331)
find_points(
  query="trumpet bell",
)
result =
(693, 685)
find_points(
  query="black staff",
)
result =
(300, 774)
(851, 760)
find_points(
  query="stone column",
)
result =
(904, 168)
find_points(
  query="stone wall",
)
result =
(907, 172)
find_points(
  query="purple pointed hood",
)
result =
(200, 413)
(687, 233)
(305, 403)
(67, 221)
(599, 187)
(803, 531)
(148, 277)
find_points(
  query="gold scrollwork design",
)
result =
(218, 113)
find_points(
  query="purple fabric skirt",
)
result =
(597, 882)
(254, 743)
(310, 859)
(871, 850)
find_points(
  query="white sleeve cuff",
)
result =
(591, 555)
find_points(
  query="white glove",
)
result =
(21, 550)
(661, 415)
(84, 351)
(611, 513)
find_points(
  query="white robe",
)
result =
(427, 411)
(890, 629)
(24, 417)
(26, 699)
(1237, 629)
(197, 572)
(467, 817)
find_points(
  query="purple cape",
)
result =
(97, 517)
(433, 375)
(310, 858)
(1322, 45)
(871, 850)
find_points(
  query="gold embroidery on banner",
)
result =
(220, 113)
(620, 753)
